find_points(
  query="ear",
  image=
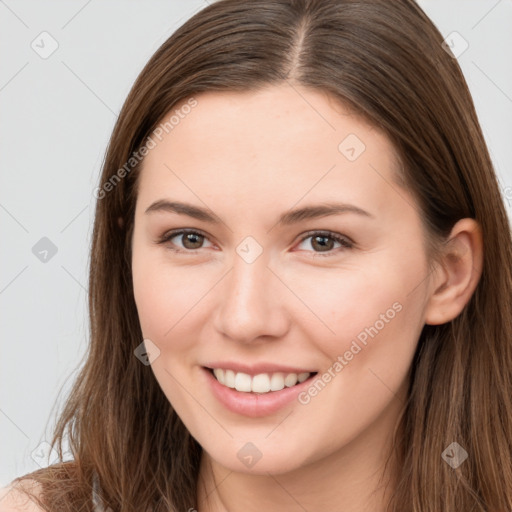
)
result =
(456, 279)
(120, 222)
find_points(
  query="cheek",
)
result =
(377, 325)
(365, 316)
(168, 299)
(154, 292)
(152, 298)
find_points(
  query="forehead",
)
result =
(282, 142)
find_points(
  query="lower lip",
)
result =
(254, 405)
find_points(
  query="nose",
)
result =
(252, 301)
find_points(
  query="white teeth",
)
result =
(277, 382)
(261, 383)
(229, 378)
(303, 376)
(290, 380)
(242, 382)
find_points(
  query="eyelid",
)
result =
(181, 231)
(345, 241)
(327, 233)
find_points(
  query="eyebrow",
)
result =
(287, 218)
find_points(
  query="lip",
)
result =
(256, 369)
(253, 405)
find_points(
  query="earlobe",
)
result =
(120, 222)
(454, 283)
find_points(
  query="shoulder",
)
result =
(12, 499)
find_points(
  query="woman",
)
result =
(300, 283)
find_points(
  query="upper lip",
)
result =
(257, 368)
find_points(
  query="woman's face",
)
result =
(339, 292)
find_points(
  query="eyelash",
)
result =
(344, 241)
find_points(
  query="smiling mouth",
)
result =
(262, 383)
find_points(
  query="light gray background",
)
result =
(57, 114)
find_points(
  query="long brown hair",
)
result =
(385, 61)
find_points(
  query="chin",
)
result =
(253, 461)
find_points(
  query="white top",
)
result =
(96, 501)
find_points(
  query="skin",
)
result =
(249, 157)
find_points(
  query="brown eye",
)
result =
(190, 240)
(324, 243)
